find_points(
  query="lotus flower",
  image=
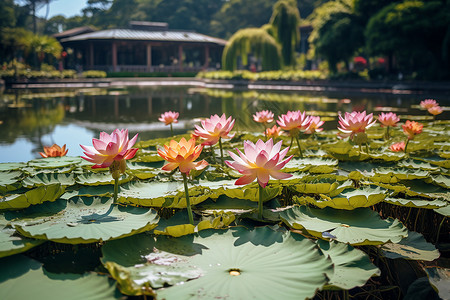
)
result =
(182, 155)
(273, 132)
(110, 148)
(354, 122)
(293, 121)
(397, 147)
(169, 117)
(111, 151)
(412, 128)
(314, 125)
(259, 161)
(214, 129)
(389, 119)
(428, 103)
(435, 110)
(54, 151)
(264, 116)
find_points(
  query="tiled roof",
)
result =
(145, 35)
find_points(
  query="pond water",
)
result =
(31, 119)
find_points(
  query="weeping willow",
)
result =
(285, 21)
(255, 41)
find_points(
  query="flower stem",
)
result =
(387, 133)
(116, 189)
(171, 129)
(265, 131)
(367, 148)
(406, 144)
(188, 202)
(221, 150)
(213, 157)
(260, 202)
(299, 148)
(292, 140)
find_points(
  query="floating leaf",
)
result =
(352, 198)
(445, 211)
(84, 221)
(414, 164)
(89, 191)
(9, 181)
(235, 264)
(441, 180)
(418, 203)
(11, 166)
(12, 244)
(47, 179)
(99, 179)
(55, 162)
(414, 246)
(403, 174)
(313, 165)
(440, 279)
(35, 196)
(361, 226)
(352, 267)
(24, 278)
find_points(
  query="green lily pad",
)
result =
(441, 180)
(235, 264)
(361, 226)
(418, 203)
(313, 165)
(12, 244)
(445, 211)
(421, 165)
(9, 181)
(47, 179)
(55, 162)
(321, 186)
(24, 278)
(403, 173)
(440, 279)
(35, 196)
(11, 166)
(351, 198)
(99, 179)
(178, 225)
(83, 221)
(90, 191)
(388, 156)
(352, 267)
(414, 246)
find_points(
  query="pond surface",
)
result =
(31, 119)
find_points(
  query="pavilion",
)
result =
(144, 47)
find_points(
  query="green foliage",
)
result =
(252, 41)
(286, 23)
(93, 74)
(293, 75)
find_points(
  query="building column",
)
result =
(206, 65)
(91, 55)
(149, 58)
(180, 57)
(114, 56)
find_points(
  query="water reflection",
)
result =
(29, 120)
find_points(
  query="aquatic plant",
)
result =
(168, 118)
(54, 151)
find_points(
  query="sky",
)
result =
(68, 8)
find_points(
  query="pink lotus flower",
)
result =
(397, 147)
(273, 132)
(354, 123)
(260, 161)
(293, 121)
(412, 128)
(169, 117)
(435, 110)
(214, 128)
(264, 116)
(314, 125)
(428, 103)
(389, 119)
(110, 148)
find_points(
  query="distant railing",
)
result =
(144, 68)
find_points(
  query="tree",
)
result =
(34, 6)
(286, 23)
(252, 41)
(416, 33)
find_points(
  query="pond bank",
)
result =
(391, 87)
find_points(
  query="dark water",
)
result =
(30, 119)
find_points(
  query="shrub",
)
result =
(93, 74)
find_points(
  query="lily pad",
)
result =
(24, 278)
(12, 244)
(361, 226)
(86, 220)
(11, 166)
(235, 264)
(352, 267)
(418, 203)
(9, 181)
(414, 246)
(445, 211)
(47, 179)
(89, 191)
(440, 279)
(55, 162)
(99, 179)
(35, 196)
